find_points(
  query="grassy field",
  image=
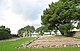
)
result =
(10, 46)
(77, 37)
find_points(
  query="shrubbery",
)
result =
(5, 33)
(14, 35)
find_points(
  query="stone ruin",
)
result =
(51, 42)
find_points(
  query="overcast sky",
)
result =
(16, 14)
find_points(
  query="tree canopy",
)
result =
(27, 30)
(61, 15)
(5, 33)
(40, 30)
(78, 26)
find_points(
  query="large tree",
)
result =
(61, 15)
(27, 30)
(40, 30)
(20, 32)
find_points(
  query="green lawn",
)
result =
(10, 46)
(77, 37)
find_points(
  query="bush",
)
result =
(14, 35)
(4, 35)
(71, 34)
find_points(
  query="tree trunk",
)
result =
(29, 34)
(62, 33)
(55, 32)
(50, 32)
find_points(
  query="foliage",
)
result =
(40, 30)
(61, 15)
(20, 32)
(27, 30)
(77, 37)
(78, 26)
(66, 28)
(4, 35)
(14, 35)
(5, 32)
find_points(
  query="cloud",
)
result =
(19, 13)
(13, 20)
(30, 9)
(26, 8)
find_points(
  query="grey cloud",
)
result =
(29, 10)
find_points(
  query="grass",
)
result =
(10, 46)
(77, 37)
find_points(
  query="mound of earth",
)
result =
(51, 42)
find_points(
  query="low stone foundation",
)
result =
(24, 45)
(51, 42)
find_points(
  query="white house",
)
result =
(34, 34)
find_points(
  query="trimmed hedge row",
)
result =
(4, 35)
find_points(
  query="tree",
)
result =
(8, 30)
(40, 30)
(27, 30)
(5, 33)
(66, 28)
(20, 32)
(78, 26)
(2, 26)
(61, 15)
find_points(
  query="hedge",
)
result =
(4, 35)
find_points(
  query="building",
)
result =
(34, 34)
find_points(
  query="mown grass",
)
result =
(10, 46)
(77, 37)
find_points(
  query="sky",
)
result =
(16, 14)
